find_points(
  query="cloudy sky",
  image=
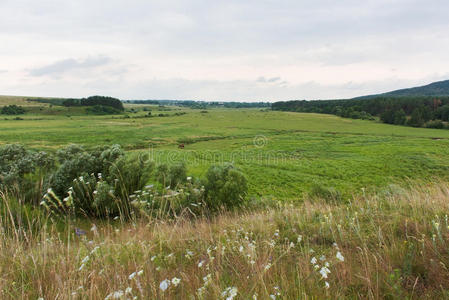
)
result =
(221, 50)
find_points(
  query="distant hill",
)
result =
(439, 88)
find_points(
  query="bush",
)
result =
(102, 110)
(75, 161)
(172, 175)
(129, 174)
(225, 187)
(12, 110)
(438, 124)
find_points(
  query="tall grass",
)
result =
(392, 245)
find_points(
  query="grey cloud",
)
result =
(407, 35)
(274, 79)
(70, 64)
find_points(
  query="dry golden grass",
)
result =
(395, 245)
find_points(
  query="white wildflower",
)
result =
(132, 275)
(175, 281)
(340, 257)
(324, 271)
(313, 260)
(326, 285)
(229, 293)
(164, 285)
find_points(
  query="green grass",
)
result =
(296, 152)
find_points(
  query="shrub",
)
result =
(129, 173)
(12, 110)
(102, 110)
(75, 161)
(438, 124)
(225, 187)
(171, 175)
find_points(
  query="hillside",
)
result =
(439, 88)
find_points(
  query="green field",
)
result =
(284, 155)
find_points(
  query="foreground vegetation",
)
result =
(389, 245)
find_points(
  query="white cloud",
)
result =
(221, 49)
(70, 64)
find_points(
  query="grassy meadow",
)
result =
(337, 209)
(284, 155)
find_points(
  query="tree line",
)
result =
(416, 111)
(96, 101)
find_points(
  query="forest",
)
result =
(416, 111)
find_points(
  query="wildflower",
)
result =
(115, 295)
(229, 293)
(200, 264)
(79, 232)
(164, 285)
(81, 267)
(153, 258)
(132, 275)
(140, 273)
(299, 239)
(207, 279)
(292, 245)
(326, 284)
(241, 249)
(201, 291)
(324, 271)
(175, 281)
(129, 290)
(313, 260)
(340, 257)
(189, 178)
(322, 258)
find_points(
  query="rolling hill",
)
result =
(439, 88)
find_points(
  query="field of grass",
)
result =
(338, 208)
(389, 245)
(284, 155)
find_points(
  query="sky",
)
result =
(230, 50)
